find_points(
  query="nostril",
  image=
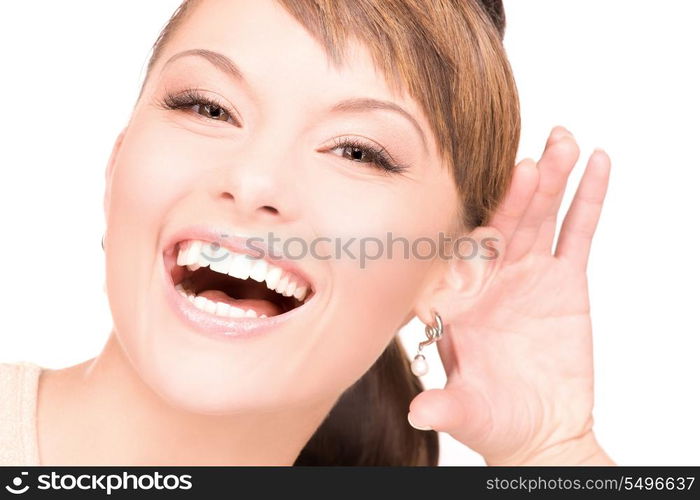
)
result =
(270, 209)
(227, 195)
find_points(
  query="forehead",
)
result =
(275, 52)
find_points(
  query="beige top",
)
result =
(19, 383)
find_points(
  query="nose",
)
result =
(265, 209)
(257, 185)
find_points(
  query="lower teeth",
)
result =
(217, 308)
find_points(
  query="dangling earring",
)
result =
(419, 366)
(103, 242)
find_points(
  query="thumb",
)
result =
(461, 412)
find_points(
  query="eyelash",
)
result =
(192, 97)
(378, 156)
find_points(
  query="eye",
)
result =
(208, 108)
(357, 151)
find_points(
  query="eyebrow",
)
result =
(355, 104)
(217, 59)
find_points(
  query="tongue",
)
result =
(260, 306)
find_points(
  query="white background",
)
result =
(620, 75)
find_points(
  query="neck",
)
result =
(100, 412)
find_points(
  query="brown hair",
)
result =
(449, 55)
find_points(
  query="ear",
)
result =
(110, 167)
(473, 261)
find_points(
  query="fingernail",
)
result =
(420, 428)
(558, 132)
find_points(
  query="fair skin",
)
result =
(159, 394)
(519, 357)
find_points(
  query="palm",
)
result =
(527, 349)
(518, 358)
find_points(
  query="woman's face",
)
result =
(268, 163)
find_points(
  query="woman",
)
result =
(324, 122)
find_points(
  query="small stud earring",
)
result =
(419, 366)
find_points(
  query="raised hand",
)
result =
(518, 357)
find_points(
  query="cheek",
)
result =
(148, 178)
(377, 287)
(153, 172)
(365, 312)
(150, 174)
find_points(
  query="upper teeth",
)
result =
(241, 266)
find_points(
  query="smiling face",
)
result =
(245, 129)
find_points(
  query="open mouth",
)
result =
(235, 285)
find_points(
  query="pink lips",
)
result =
(217, 326)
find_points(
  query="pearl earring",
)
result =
(419, 366)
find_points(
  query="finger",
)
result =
(459, 411)
(557, 133)
(522, 187)
(524, 184)
(582, 217)
(545, 236)
(555, 166)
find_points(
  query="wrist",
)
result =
(582, 450)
